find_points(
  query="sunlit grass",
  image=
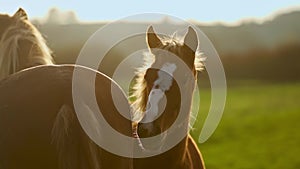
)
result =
(259, 129)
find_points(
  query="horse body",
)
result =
(21, 44)
(39, 127)
(157, 85)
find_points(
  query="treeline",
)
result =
(281, 64)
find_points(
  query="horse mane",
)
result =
(140, 90)
(39, 53)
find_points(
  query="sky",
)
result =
(202, 11)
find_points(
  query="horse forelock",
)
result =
(10, 44)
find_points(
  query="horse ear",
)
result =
(191, 39)
(152, 39)
(21, 14)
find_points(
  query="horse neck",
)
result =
(179, 152)
(22, 48)
(183, 107)
(26, 52)
(31, 52)
(175, 158)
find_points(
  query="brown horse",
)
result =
(39, 127)
(21, 44)
(163, 94)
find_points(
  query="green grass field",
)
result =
(260, 128)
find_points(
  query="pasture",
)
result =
(259, 128)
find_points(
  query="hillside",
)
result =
(263, 45)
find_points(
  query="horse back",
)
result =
(34, 104)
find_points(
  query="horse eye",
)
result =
(156, 87)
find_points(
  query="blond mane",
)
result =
(39, 54)
(140, 90)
